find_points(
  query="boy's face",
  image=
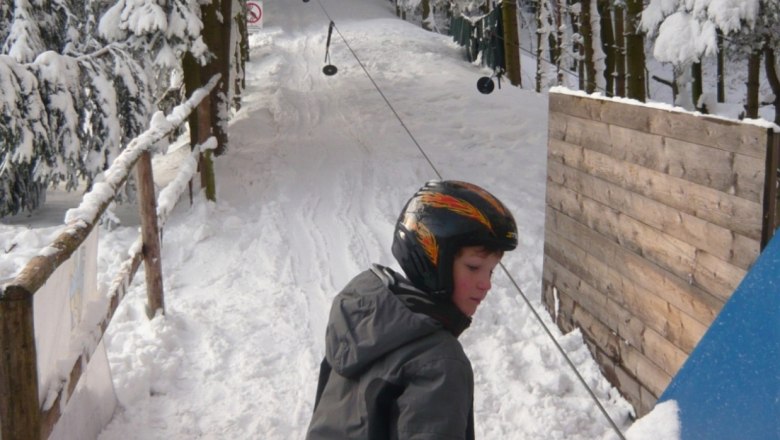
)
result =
(471, 273)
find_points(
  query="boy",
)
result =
(393, 367)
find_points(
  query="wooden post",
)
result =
(224, 62)
(771, 208)
(207, 176)
(150, 235)
(19, 405)
(205, 164)
(511, 42)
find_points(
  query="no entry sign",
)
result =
(254, 14)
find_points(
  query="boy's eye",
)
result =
(472, 267)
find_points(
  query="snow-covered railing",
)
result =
(22, 413)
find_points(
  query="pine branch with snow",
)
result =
(78, 82)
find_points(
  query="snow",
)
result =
(316, 173)
(661, 423)
(169, 196)
(121, 167)
(682, 40)
(726, 113)
(687, 28)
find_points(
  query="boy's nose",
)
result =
(484, 284)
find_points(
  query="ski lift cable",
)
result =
(376, 86)
(503, 267)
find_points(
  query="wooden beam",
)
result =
(566, 263)
(150, 233)
(722, 243)
(690, 299)
(684, 260)
(731, 212)
(727, 135)
(639, 365)
(725, 171)
(19, 406)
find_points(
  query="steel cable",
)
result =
(504, 269)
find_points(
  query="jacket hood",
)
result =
(367, 321)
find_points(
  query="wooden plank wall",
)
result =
(653, 218)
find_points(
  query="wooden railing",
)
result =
(22, 415)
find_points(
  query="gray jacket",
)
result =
(389, 373)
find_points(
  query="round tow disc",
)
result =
(485, 85)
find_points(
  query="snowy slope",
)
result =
(317, 170)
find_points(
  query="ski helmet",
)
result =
(441, 218)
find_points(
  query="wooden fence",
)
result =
(22, 415)
(483, 36)
(653, 218)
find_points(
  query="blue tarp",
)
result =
(729, 388)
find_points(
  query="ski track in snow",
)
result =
(308, 193)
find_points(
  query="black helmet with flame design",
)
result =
(441, 218)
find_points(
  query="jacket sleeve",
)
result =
(325, 370)
(437, 402)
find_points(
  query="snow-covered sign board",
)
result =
(65, 315)
(254, 14)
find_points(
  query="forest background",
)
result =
(80, 79)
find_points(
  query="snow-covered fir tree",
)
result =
(78, 80)
(686, 32)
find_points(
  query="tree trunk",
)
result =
(588, 60)
(222, 49)
(511, 42)
(205, 116)
(192, 81)
(558, 57)
(539, 51)
(426, 12)
(751, 102)
(635, 52)
(721, 67)
(575, 29)
(620, 51)
(241, 56)
(552, 38)
(608, 42)
(697, 86)
(770, 65)
(205, 163)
